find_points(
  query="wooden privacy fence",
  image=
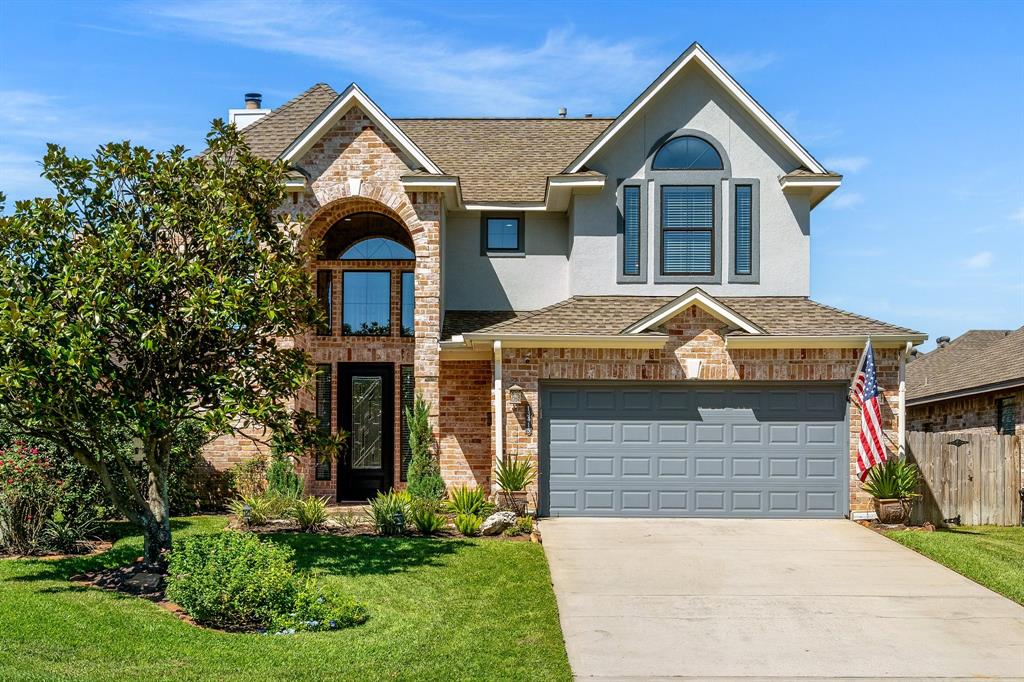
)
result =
(974, 476)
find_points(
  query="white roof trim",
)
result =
(697, 53)
(819, 341)
(352, 96)
(696, 297)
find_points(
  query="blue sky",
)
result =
(919, 105)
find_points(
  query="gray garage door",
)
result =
(738, 450)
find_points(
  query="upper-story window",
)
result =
(687, 153)
(502, 235)
(687, 229)
(366, 303)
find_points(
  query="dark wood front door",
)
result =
(366, 405)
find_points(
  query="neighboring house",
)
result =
(973, 383)
(623, 301)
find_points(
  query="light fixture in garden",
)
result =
(247, 515)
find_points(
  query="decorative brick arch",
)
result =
(419, 213)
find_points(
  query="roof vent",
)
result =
(562, 112)
(942, 341)
(588, 116)
(252, 112)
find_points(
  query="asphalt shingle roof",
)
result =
(975, 359)
(503, 159)
(608, 315)
(271, 135)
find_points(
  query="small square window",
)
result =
(503, 234)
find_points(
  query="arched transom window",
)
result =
(687, 153)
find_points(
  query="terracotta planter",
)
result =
(892, 511)
(514, 500)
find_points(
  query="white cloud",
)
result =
(745, 62)
(1018, 216)
(846, 164)
(982, 259)
(564, 69)
(845, 200)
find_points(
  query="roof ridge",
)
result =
(500, 118)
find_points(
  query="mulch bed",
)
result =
(363, 529)
(884, 527)
(89, 548)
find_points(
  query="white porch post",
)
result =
(901, 417)
(499, 411)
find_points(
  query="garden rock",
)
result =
(496, 523)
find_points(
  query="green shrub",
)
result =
(424, 476)
(310, 513)
(316, 610)
(522, 526)
(515, 474)
(249, 478)
(282, 479)
(468, 524)
(465, 500)
(426, 519)
(390, 512)
(893, 479)
(232, 580)
(348, 519)
(28, 497)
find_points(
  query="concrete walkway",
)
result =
(757, 599)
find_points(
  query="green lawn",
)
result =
(990, 555)
(439, 609)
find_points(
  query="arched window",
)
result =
(687, 153)
(378, 248)
(367, 236)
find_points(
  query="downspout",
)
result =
(499, 413)
(901, 417)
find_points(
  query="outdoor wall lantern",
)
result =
(515, 399)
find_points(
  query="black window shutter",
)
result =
(407, 390)
(323, 415)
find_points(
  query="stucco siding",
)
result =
(694, 102)
(477, 282)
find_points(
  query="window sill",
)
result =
(505, 254)
(688, 279)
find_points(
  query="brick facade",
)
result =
(693, 334)
(352, 169)
(975, 414)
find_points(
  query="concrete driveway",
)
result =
(763, 599)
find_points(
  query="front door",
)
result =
(366, 407)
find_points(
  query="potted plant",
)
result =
(893, 484)
(513, 476)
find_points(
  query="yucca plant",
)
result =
(467, 501)
(468, 524)
(515, 475)
(893, 479)
(310, 513)
(425, 517)
(390, 512)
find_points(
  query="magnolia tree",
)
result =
(151, 291)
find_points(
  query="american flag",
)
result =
(870, 450)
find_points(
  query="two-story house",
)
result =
(624, 301)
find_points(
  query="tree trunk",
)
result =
(157, 527)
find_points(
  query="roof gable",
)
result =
(697, 297)
(354, 96)
(696, 54)
(974, 362)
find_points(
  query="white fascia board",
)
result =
(295, 184)
(819, 188)
(448, 185)
(352, 96)
(697, 53)
(506, 207)
(567, 340)
(702, 300)
(848, 341)
(557, 193)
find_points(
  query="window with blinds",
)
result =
(324, 297)
(687, 229)
(743, 229)
(323, 415)
(631, 230)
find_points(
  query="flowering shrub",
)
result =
(316, 610)
(28, 496)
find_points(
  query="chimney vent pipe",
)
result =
(562, 112)
(253, 100)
